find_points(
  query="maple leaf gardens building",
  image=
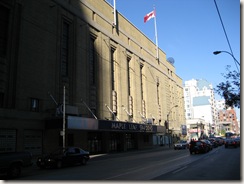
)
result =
(69, 56)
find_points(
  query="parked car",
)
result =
(214, 143)
(231, 142)
(238, 141)
(198, 147)
(63, 157)
(220, 141)
(208, 144)
(181, 144)
(11, 163)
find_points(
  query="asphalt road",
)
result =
(223, 164)
(147, 165)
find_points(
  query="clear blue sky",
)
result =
(190, 31)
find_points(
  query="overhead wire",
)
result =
(225, 32)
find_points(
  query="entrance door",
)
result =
(113, 142)
(116, 142)
(94, 142)
(130, 141)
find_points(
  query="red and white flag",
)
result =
(150, 15)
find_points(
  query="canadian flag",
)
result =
(150, 15)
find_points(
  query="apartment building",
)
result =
(227, 122)
(70, 76)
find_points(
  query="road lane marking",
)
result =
(139, 169)
(180, 169)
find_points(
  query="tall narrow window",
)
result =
(4, 21)
(113, 80)
(65, 49)
(93, 74)
(92, 61)
(113, 68)
(158, 92)
(141, 81)
(34, 105)
(143, 103)
(129, 78)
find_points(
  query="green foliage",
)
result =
(222, 132)
(230, 89)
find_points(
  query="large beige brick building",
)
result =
(107, 69)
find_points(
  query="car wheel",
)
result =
(59, 164)
(83, 161)
(14, 171)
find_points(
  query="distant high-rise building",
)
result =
(200, 111)
(220, 105)
(199, 100)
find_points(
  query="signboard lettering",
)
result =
(119, 126)
(126, 126)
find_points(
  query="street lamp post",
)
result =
(218, 52)
(167, 125)
(170, 112)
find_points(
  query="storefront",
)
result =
(100, 136)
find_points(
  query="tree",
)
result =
(230, 89)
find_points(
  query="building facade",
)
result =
(200, 104)
(197, 129)
(71, 76)
(227, 122)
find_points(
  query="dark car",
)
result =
(231, 143)
(238, 141)
(198, 147)
(208, 144)
(214, 143)
(181, 144)
(63, 157)
(219, 140)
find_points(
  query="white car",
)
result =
(181, 144)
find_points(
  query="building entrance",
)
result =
(95, 142)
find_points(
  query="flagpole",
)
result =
(156, 34)
(115, 21)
